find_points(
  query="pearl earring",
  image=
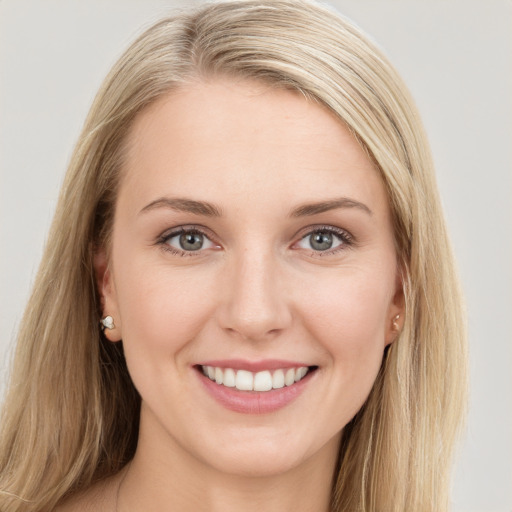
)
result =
(396, 327)
(107, 323)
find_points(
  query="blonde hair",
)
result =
(71, 413)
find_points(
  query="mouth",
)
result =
(262, 381)
(254, 388)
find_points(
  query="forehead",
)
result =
(226, 138)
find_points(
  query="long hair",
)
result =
(71, 413)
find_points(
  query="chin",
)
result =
(257, 465)
(268, 458)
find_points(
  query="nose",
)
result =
(254, 302)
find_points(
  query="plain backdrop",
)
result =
(455, 56)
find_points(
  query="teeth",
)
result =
(229, 378)
(244, 380)
(300, 372)
(278, 379)
(263, 381)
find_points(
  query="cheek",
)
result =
(348, 316)
(161, 310)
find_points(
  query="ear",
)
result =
(107, 292)
(396, 312)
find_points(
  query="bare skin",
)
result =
(101, 496)
(319, 288)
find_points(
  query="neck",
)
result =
(164, 476)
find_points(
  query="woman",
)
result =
(248, 298)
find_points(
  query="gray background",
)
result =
(455, 55)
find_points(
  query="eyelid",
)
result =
(186, 228)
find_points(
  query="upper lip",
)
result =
(253, 366)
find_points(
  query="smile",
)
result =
(255, 387)
(245, 380)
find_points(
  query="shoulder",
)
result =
(99, 497)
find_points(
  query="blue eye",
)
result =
(186, 241)
(326, 239)
(191, 241)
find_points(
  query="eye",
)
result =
(186, 241)
(326, 239)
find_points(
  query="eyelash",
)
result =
(347, 240)
(191, 230)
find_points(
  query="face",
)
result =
(252, 243)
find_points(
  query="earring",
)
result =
(107, 323)
(396, 327)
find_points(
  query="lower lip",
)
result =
(254, 402)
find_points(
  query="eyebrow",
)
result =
(210, 210)
(307, 210)
(184, 205)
